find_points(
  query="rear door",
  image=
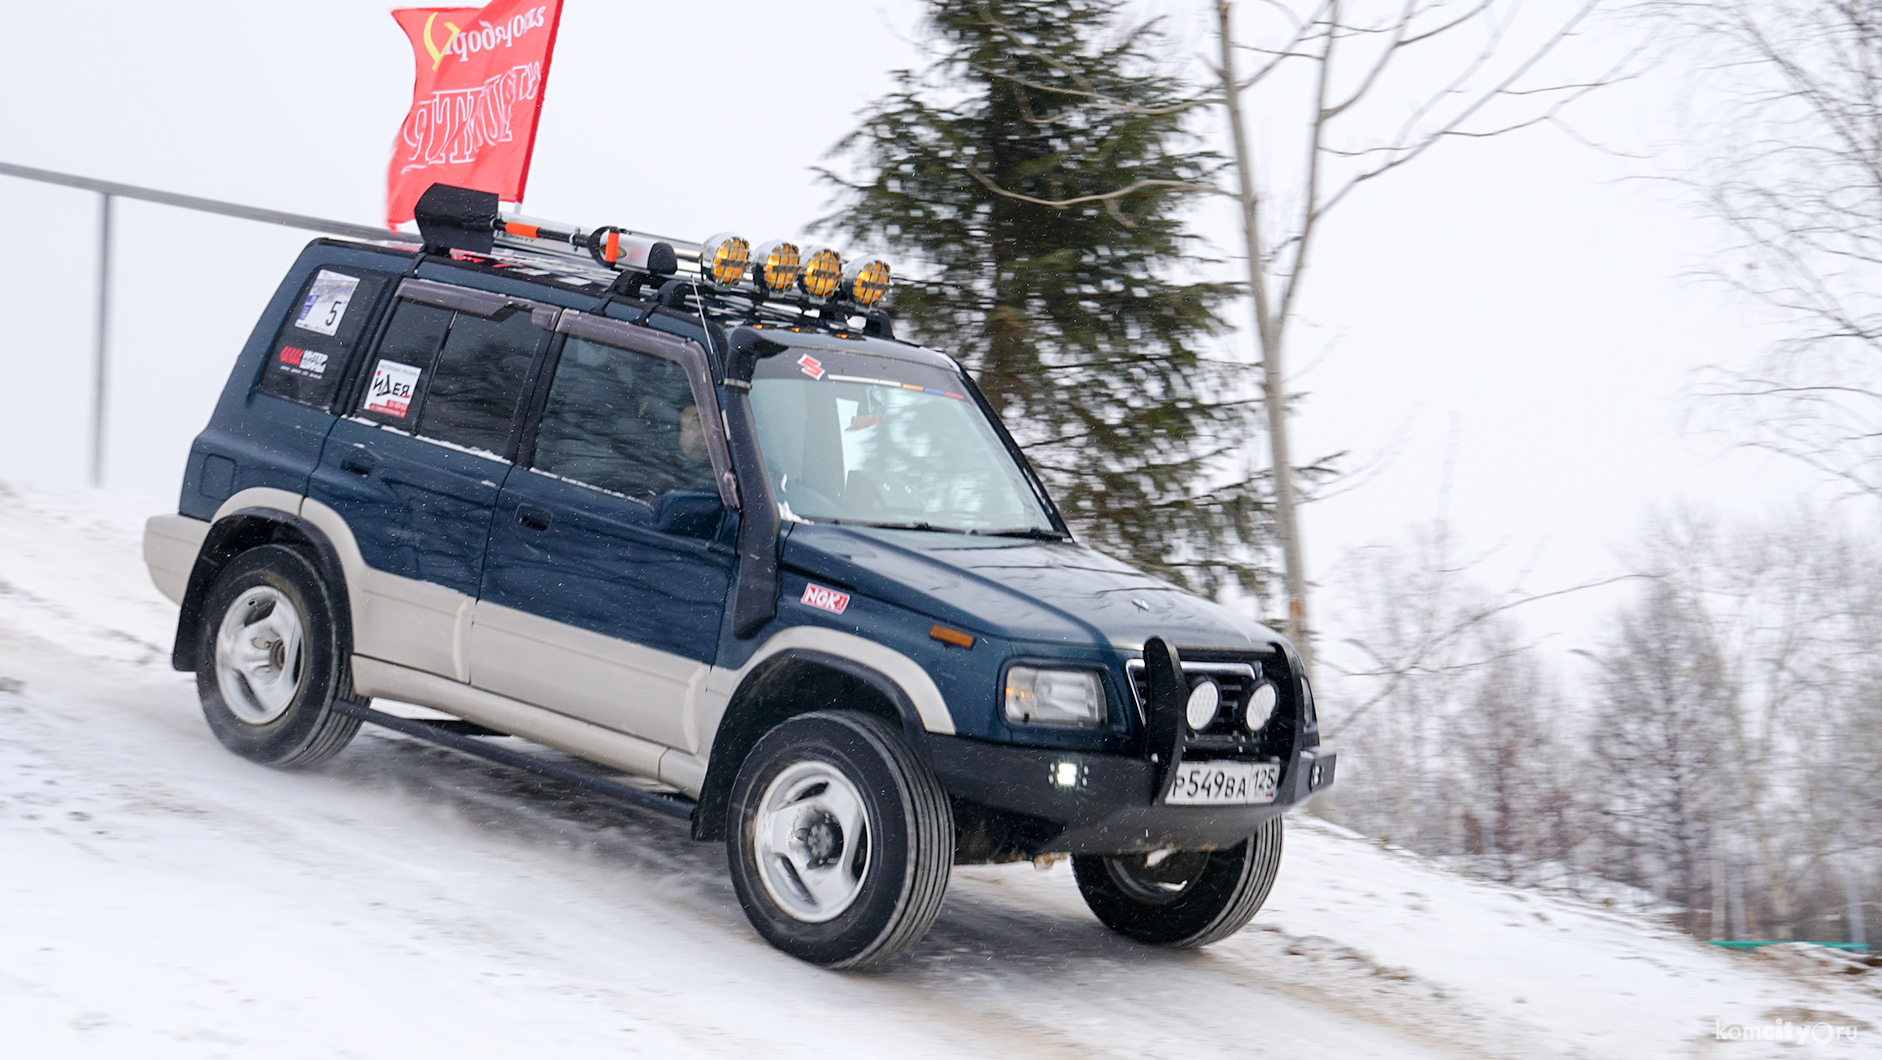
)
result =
(609, 560)
(415, 466)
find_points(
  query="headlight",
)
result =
(1054, 697)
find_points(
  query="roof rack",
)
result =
(813, 281)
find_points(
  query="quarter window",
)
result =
(324, 325)
(624, 422)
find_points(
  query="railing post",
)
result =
(100, 364)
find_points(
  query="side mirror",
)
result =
(688, 513)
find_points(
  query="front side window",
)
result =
(854, 438)
(623, 422)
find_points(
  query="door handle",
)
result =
(532, 517)
(356, 464)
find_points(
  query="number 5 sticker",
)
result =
(326, 302)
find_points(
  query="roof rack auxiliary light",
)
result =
(823, 272)
(452, 219)
(866, 282)
(776, 265)
(722, 259)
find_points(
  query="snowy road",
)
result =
(160, 897)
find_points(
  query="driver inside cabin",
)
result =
(623, 422)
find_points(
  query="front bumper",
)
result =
(1075, 803)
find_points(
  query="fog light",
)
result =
(1065, 774)
(1313, 779)
(1260, 705)
(1204, 700)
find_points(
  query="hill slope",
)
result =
(163, 898)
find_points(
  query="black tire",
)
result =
(895, 874)
(266, 697)
(1187, 898)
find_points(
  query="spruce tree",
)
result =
(1036, 175)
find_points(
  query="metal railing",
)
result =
(108, 191)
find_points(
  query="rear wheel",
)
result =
(270, 664)
(840, 841)
(1181, 898)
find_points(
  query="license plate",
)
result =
(1224, 783)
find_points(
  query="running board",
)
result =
(439, 733)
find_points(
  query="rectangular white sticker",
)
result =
(326, 302)
(393, 385)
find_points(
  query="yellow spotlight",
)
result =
(777, 265)
(722, 259)
(823, 272)
(867, 282)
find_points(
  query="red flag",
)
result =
(481, 72)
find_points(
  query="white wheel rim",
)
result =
(260, 655)
(812, 841)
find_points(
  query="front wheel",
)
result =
(841, 840)
(1182, 898)
(269, 666)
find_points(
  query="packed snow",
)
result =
(164, 898)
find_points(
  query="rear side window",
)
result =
(396, 378)
(477, 381)
(624, 422)
(451, 376)
(323, 328)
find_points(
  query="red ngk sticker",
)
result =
(291, 354)
(826, 599)
(813, 368)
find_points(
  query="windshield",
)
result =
(852, 438)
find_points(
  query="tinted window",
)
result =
(323, 327)
(624, 422)
(474, 386)
(401, 369)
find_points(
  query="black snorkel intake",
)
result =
(755, 600)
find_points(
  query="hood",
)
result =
(1017, 589)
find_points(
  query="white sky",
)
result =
(1514, 318)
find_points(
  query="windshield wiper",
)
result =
(897, 526)
(1033, 532)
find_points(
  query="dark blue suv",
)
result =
(692, 513)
